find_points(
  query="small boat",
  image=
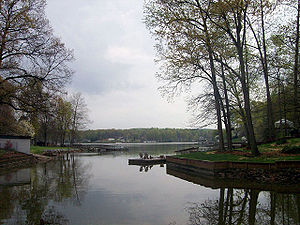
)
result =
(152, 161)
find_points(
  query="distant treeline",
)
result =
(147, 135)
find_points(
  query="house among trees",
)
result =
(284, 123)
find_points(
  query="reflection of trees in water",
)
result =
(70, 180)
(145, 168)
(55, 181)
(245, 207)
(286, 208)
(148, 167)
(6, 205)
(52, 216)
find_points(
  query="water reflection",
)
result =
(244, 207)
(134, 149)
(145, 168)
(278, 204)
(19, 177)
(31, 203)
(104, 189)
(149, 167)
(155, 150)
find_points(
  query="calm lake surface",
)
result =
(95, 189)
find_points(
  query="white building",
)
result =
(283, 123)
(17, 143)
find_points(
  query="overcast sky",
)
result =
(114, 67)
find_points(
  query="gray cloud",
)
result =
(114, 63)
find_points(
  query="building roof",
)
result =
(14, 137)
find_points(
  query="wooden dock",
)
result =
(142, 162)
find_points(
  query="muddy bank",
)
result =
(11, 160)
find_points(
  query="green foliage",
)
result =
(41, 149)
(281, 141)
(26, 128)
(34, 66)
(30, 54)
(294, 141)
(147, 134)
(291, 149)
(210, 156)
(218, 157)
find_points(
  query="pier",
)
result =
(99, 147)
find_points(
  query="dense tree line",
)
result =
(243, 53)
(34, 71)
(147, 134)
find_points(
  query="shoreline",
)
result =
(236, 183)
(13, 160)
(279, 172)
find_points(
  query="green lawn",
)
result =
(41, 149)
(273, 147)
(269, 154)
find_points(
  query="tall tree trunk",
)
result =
(45, 135)
(74, 127)
(242, 211)
(243, 115)
(298, 207)
(219, 116)
(252, 205)
(271, 127)
(228, 116)
(231, 206)
(284, 112)
(245, 89)
(221, 206)
(45, 130)
(279, 101)
(296, 70)
(226, 206)
(238, 40)
(273, 208)
(245, 83)
(215, 85)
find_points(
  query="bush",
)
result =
(291, 150)
(281, 141)
(1, 152)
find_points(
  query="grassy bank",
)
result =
(270, 153)
(41, 149)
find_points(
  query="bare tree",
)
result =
(29, 52)
(79, 115)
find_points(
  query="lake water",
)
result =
(95, 189)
